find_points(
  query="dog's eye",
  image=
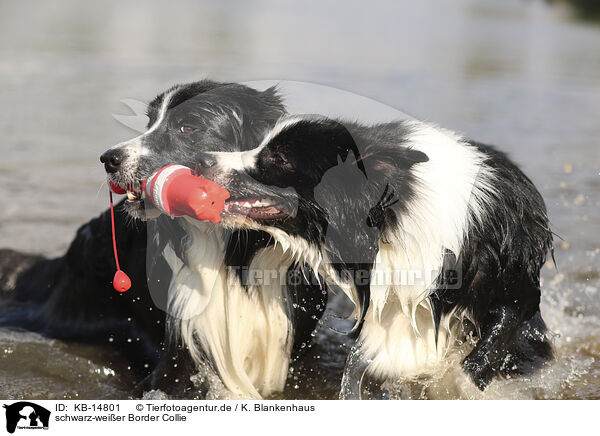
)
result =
(279, 159)
(186, 129)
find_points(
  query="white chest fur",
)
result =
(399, 337)
(246, 333)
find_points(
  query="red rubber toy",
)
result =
(176, 191)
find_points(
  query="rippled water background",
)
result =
(521, 74)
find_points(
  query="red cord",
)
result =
(121, 281)
(112, 222)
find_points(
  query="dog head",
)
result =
(328, 191)
(185, 121)
(328, 182)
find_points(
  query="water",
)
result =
(520, 74)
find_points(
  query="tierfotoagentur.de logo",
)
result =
(26, 415)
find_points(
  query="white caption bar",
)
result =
(133, 417)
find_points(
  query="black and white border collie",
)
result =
(433, 237)
(214, 332)
(243, 331)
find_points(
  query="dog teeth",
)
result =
(131, 195)
(261, 203)
(249, 204)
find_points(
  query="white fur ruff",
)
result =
(246, 333)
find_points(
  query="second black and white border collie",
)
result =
(434, 237)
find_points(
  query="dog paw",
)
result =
(479, 369)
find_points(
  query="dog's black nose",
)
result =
(112, 160)
(206, 160)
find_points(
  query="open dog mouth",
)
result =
(255, 208)
(133, 191)
(136, 204)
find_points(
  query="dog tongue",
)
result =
(116, 188)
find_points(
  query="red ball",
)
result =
(121, 282)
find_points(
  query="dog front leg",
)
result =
(497, 333)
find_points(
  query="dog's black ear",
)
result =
(415, 156)
(390, 160)
(340, 138)
(272, 97)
